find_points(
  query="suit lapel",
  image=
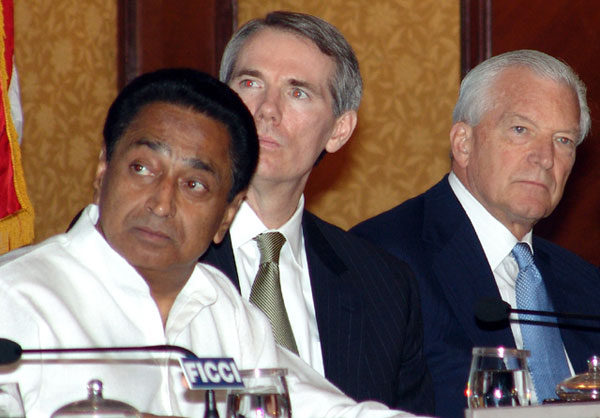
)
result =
(457, 252)
(571, 290)
(221, 257)
(337, 306)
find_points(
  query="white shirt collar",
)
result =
(247, 225)
(497, 241)
(93, 247)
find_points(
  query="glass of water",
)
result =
(265, 395)
(499, 377)
(11, 404)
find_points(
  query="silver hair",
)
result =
(474, 98)
(346, 85)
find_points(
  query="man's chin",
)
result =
(531, 214)
(170, 269)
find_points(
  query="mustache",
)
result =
(153, 224)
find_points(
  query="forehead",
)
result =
(180, 131)
(519, 89)
(169, 117)
(275, 49)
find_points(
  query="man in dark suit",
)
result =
(517, 122)
(353, 310)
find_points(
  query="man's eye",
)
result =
(139, 168)
(519, 129)
(299, 94)
(563, 140)
(248, 83)
(195, 185)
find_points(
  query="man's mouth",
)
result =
(151, 235)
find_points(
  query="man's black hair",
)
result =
(194, 90)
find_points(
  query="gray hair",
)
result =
(346, 85)
(474, 98)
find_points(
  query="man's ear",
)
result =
(461, 143)
(230, 212)
(342, 131)
(100, 170)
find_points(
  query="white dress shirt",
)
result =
(74, 290)
(293, 273)
(497, 242)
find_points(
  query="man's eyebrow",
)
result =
(511, 116)
(246, 72)
(307, 85)
(153, 145)
(158, 146)
(198, 164)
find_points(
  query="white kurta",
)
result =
(73, 290)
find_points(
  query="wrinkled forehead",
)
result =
(521, 85)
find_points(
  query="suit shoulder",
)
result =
(389, 229)
(350, 246)
(411, 208)
(561, 258)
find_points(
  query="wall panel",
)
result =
(66, 54)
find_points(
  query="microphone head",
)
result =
(10, 351)
(492, 311)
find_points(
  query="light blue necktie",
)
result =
(547, 363)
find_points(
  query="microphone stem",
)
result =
(157, 348)
(556, 314)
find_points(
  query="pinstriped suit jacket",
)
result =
(368, 315)
(434, 235)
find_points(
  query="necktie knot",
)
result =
(269, 245)
(523, 255)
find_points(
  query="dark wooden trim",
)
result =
(127, 51)
(475, 33)
(226, 24)
(153, 43)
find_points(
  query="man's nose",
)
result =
(269, 107)
(162, 201)
(542, 152)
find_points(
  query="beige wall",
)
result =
(66, 55)
(409, 56)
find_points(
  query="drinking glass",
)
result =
(11, 404)
(499, 377)
(265, 395)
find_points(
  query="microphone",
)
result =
(11, 351)
(496, 312)
(200, 373)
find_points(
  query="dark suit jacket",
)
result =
(367, 310)
(433, 234)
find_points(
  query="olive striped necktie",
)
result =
(266, 289)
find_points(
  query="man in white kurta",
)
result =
(74, 290)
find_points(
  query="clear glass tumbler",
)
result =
(265, 395)
(499, 377)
